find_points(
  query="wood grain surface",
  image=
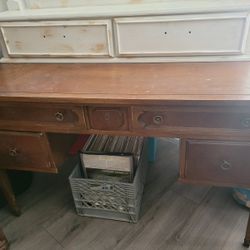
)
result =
(125, 83)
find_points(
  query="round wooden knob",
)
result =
(13, 152)
(59, 116)
(158, 119)
(225, 165)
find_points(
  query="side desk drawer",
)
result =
(108, 118)
(160, 118)
(211, 34)
(44, 117)
(216, 162)
(26, 151)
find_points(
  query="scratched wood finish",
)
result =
(126, 83)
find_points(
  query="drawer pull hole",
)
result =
(13, 152)
(189, 32)
(225, 165)
(165, 32)
(158, 119)
(246, 122)
(59, 116)
(106, 116)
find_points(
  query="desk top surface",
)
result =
(125, 83)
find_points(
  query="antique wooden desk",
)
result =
(206, 105)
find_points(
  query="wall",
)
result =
(3, 5)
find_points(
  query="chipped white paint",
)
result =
(145, 30)
(58, 39)
(211, 34)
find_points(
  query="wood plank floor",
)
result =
(173, 215)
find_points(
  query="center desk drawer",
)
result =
(216, 162)
(42, 117)
(26, 151)
(161, 118)
(108, 118)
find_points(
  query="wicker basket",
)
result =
(110, 200)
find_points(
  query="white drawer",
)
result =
(58, 38)
(213, 34)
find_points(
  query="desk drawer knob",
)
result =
(59, 116)
(13, 152)
(246, 122)
(158, 119)
(225, 165)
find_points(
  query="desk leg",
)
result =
(247, 237)
(3, 241)
(8, 193)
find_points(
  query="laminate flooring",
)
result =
(173, 215)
